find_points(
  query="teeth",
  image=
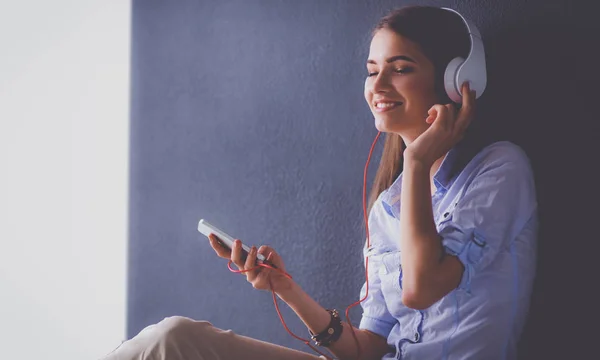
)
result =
(382, 105)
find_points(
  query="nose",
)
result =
(381, 83)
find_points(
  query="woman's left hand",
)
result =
(447, 129)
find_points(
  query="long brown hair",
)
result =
(441, 36)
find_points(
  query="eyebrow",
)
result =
(394, 58)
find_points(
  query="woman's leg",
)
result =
(180, 338)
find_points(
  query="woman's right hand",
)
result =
(261, 278)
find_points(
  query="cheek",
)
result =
(367, 93)
(417, 92)
(410, 86)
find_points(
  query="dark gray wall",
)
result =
(250, 114)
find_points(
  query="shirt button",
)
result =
(446, 214)
(417, 336)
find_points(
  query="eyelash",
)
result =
(400, 71)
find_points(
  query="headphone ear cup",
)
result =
(450, 75)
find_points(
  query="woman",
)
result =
(451, 260)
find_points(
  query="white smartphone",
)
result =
(226, 240)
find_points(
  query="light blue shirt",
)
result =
(487, 217)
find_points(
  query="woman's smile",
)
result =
(385, 106)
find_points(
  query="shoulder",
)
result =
(504, 151)
(504, 154)
(499, 167)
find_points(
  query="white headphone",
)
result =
(472, 69)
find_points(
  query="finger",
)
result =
(431, 115)
(441, 114)
(269, 257)
(221, 250)
(267, 252)
(467, 95)
(264, 251)
(468, 107)
(251, 263)
(236, 254)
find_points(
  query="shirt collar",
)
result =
(442, 177)
(390, 198)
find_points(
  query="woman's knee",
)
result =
(174, 322)
(179, 326)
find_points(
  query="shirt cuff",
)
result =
(377, 326)
(469, 251)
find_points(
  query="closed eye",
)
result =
(405, 70)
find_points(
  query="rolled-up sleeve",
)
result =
(494, 208)
(376, 317)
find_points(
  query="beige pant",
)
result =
(181, 338)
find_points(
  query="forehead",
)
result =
(386, 43)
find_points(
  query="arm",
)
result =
(428, 275)
(376, 322)
(498, 202)
(317, 318)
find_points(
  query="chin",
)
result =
(385, 124)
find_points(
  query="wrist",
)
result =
(414, 164)
(331, 333)
(288, 290)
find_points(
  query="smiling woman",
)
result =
(406, 65)
(448, 230)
